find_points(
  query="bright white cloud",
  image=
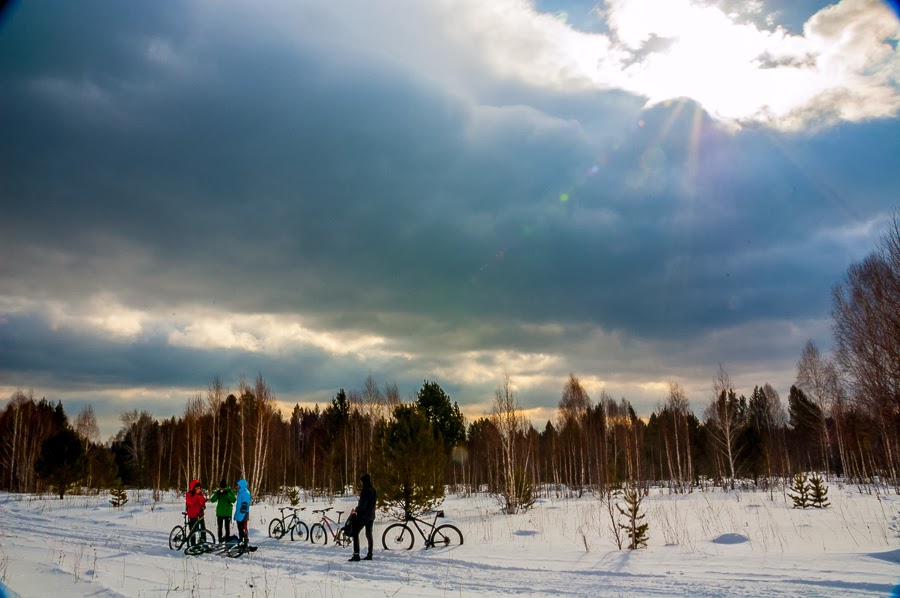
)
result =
(842, 67)
(102, 314)
(270, 333)
(489, 367)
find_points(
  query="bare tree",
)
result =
(193, 439)
(678, 407)
(265, 409)
(86, 425)
(574, 405)
(22, 439)
(725, 420)
(135, 437)
(510, 422)
(817, 378)
(775, 420)
(215, 397)
(866, 314)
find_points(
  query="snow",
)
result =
(709, 543)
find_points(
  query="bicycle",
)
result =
(279, 527)
(321, 530)
(400, 536)
(195, 536)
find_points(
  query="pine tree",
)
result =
(118, 496)
(293, 495)
(800, 487)
(818, 492)
(634, 527)
(445, 418)
(62, 459)
(408, 464)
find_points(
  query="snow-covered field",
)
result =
(702, 544)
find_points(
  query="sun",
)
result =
(701, 53)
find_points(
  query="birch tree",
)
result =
(725, 419)
(509, 421)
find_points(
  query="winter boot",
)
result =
(368, 557)
(354, 558)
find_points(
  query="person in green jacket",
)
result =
(224, 498)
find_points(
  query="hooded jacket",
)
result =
(194, 501)
(224, 499)
(242, 507)
(365, 510)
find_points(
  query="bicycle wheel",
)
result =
(176, 538)
(299, 531)
(200, 541)
(342, 538)
(397, 536)
(276, 529)
(317, 534)
(445, 536)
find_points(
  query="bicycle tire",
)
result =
(199, 542)
(276, 529)
(318, 534)
(343, 538)
(398, 536)
(176, 538)
(299, 532)
(445, 536)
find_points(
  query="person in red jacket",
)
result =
(195, 504)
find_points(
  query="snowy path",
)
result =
(89, 549)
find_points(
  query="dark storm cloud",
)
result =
(173, 158)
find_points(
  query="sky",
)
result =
(630, 191)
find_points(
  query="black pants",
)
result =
(242, 531)
(226, 523)
(358, 527)
(200, 526)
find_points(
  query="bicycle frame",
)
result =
(181, 534)
(400, 535)
(430, 526)
(280, 526)
(327, 521)
(188, 531)
(290, 520)
(330, 526)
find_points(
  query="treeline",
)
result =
(590, 445)
(842, 417)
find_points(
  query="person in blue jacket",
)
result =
(242, 511)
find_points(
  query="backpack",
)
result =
(348, 525)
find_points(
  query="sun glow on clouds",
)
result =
(104, 316)
(103, 313)
(844, 66)
(480, 367)
(267, 333)
(739, 72)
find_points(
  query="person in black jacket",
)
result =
(364, 516)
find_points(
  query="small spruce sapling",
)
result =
(799, 491)
(634, 527)
(818, 492)
(118, 496)
(293, 495)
